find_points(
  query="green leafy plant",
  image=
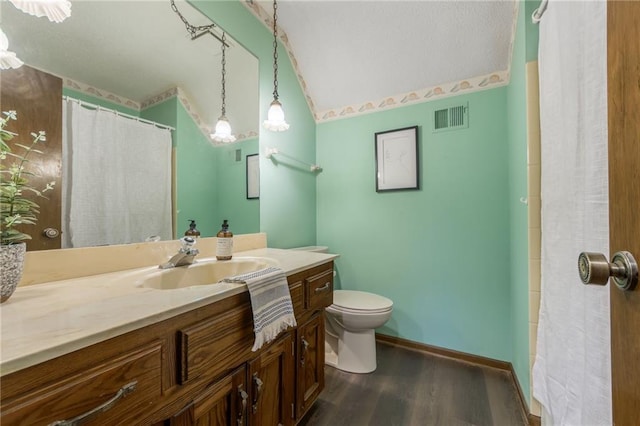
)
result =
(15, 208)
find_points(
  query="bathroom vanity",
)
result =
(189, 362)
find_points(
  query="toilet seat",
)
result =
(360, 302)
(342, 310)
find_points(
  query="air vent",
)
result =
(455, 117)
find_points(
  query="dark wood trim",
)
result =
(448, 353)
(469, 358)
(534, 420)
(523, 402)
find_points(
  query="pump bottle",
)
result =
(192, 231)
(224, 248)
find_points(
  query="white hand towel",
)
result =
(270, 302)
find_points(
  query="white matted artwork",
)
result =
(397, 159)
(253, 177)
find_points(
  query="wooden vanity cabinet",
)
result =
(310, 363)
(271, 385)
(311, 292)
(112, 391)
(196, 368)
(222, 403)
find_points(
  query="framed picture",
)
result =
(253, 177)
(397, 159)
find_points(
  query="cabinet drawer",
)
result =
(216, 345)
(100, 389)
(319, 290)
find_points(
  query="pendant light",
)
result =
(223, 128)
(7, 59)
(275, 117)
(54, 10)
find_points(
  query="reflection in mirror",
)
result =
(138, 59)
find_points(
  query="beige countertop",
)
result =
(41, 322)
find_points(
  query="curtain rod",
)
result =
(537, 14)
(121, 114)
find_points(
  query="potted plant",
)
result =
(15, 208)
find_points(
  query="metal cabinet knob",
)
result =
(595, 269)
(51, 233)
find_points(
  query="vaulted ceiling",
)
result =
(351, 53)
(350, 56)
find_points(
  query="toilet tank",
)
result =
(317, 249)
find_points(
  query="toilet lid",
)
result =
(361, 301)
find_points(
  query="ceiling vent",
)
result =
(456, 117)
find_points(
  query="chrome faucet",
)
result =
(185, 255)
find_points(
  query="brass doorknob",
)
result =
(51, 233)
(595, 269)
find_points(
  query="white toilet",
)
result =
(350, 343)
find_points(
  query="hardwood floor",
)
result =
(413, 388)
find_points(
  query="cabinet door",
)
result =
(310, 365)
(271, 385)
(224, 403)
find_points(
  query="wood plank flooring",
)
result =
(414, 388)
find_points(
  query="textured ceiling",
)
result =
(348, 53)
(137, 50)
(351, 52)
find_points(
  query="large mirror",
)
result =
(137, 58)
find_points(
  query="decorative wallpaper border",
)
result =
(475, 84)
(154, 100)
(193, 113)
(495, 79)
(99, 93)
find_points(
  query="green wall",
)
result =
(532, 30)
(287, 192)
(243, 214)
(440, 253)
(452, 255)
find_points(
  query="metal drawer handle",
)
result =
(243, 396)
(325, 287)
(124, 391)
(258, 387)
(305, 349)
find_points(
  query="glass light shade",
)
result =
(7, 59)
(223, 131)
(54, 10)
(275, 118)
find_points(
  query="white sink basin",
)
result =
(203, 272)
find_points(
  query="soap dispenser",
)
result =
(224, 248)
(192, 231)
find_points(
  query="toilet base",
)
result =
(356, 351)
(330, 354)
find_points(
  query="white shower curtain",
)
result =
(571, 375)
(116, 178)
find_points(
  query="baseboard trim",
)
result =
(529, 418)
(448, 353)
(534, 420)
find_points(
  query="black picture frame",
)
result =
(253, 176)
(397, 161)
